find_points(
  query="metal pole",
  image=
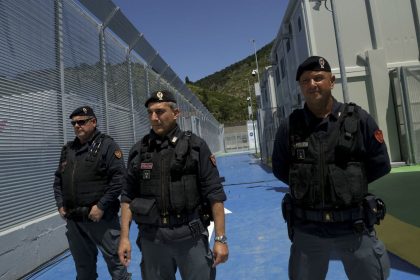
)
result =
(259, 86)
(340, 53)
(252, 117)
(256, 61)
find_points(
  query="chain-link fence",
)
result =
(57, 55)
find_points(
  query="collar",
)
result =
(96, 133)
(171, 137)
(335, 113)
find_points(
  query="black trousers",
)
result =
(84, 240)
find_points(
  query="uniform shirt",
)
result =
(376, 158)
(114, 166)
(208, 176)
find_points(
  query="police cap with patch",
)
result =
(313, 63)
(83, 111)
(160, 96)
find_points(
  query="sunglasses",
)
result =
(80, 122)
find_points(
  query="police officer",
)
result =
(172, 189)
(328, 152)
(87, 185)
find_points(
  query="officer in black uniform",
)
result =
(328, 152)
(87, 185)
(172, 190)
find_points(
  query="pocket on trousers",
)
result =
(111, 240)
(382, 256)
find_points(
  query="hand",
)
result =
(220, 253)
(95, 213)
(124, 251)
(62, 212)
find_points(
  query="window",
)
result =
(277, 76)
(283, 68)
(299, 24)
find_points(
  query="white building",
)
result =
(380, 42)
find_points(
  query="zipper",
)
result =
(322, 172)
(72, 182)
(162, 189)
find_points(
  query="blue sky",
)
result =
(197, 38)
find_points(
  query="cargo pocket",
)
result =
(349, 184)
(300, 182)
(144, 210)
(382, 257)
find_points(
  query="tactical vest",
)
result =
(326, 169)
(170, 177)
(83, 179)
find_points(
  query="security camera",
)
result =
(254, 72)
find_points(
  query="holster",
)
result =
(287, 210)
(78, 214)
(205, 213)
(375, 210)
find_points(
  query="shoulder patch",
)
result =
(379, 136)
(118, 154)
(213, 160)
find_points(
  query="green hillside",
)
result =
(224, 93)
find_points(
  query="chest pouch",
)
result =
(144, 210)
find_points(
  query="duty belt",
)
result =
(329, 216)
(175, 220)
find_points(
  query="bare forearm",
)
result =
(218, 211)
(126, 217)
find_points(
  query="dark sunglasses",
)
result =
(80, 122)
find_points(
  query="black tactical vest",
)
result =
(83, 178)
(170, 176)
(326, 170)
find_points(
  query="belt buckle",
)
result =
(327, 216)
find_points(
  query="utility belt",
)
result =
(78, 214)
(329, 216)
(145, 211)
(370, 212)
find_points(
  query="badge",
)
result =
(300, 153)
(84, 110)
(146, 174)
(379, 136)
(159, 95)
(146, 165)
(213, 160)
(174, 139)
(322, 63)
(118, 154)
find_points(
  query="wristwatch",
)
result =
(221, 239)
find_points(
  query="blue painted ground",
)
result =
(258, 242)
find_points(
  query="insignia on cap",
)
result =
(322, 63)
(159, 95)
(118, 154)
(84, 110)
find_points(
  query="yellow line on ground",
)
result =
(400, 238)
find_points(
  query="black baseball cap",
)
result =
(313, 63)
(83, 111)
(160, 96)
